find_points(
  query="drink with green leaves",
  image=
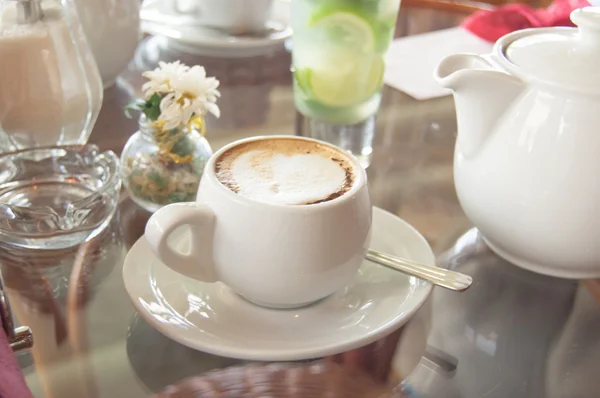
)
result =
(339, 49)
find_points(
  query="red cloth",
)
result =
(12, 382)
(491, 25)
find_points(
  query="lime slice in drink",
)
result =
(345, 81)
(348, 70)
(344, 27)
(302, 77)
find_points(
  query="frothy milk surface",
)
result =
(286, 171)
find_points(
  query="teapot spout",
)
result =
(482, 93)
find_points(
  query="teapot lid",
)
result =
(562, 56)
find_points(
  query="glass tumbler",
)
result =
(338, 57)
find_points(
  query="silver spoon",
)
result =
(438, 276)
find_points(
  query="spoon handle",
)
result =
(438, 276)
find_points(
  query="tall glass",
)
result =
(338, 53)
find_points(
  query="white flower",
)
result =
(191, 94)
(161, 77)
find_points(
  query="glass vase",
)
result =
(161, 167)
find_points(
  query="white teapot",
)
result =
(112, 28)
(527, 158)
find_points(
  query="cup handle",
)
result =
(198, 263)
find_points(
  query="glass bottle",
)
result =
(162, 167)
(50, 87)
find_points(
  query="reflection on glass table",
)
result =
(514, 333)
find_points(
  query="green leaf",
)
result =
(135, 105)
(158, 180)
(176, 197)
(152, 107)
(183, 146)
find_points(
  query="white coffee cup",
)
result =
(274, 255)
(232, 16)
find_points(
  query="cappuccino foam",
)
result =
(286, 171)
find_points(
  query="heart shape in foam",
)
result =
(288, 179)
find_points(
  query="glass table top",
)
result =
(512, 334)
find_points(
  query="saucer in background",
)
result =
(184, 33)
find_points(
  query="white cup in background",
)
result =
(232, 16)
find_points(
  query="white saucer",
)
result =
(211, 318)
(185, 35)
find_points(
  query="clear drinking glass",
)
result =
(338, 53)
